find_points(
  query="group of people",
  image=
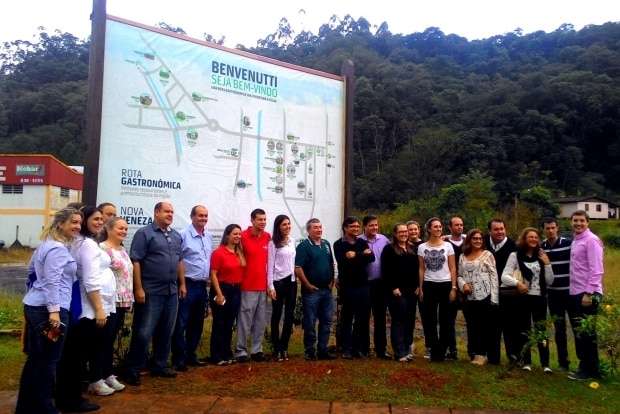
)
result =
(82, 282)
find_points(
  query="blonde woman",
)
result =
(46, 310)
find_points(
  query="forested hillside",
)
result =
(528, 110)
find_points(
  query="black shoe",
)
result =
(277, 356)
(196, 363)
(452, 356)
(385, 356)
(242, 358)
(258, 357)
(285, 355)
(360, 355)
(84, 406)
(347, 355)
(310, 356)
(325, 356)
(164, 373)
(580, 375)
(131, 378)
(180, 367)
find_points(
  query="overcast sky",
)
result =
(247, 21)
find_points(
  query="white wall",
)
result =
(567, 209)
(57, 202)
(32, 198)
(591, 210)
(30, 227)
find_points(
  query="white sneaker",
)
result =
(100, 388)
(410, 357)
(526, 368)
(113, 383)
(547, 370)
(403, 359)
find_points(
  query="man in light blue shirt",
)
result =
(197, 247)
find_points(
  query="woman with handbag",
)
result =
(46, 311)
(478, 282)
(529, 271)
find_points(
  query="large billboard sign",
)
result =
(185, 121)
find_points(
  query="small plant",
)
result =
(606, 324)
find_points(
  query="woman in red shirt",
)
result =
(227, 263)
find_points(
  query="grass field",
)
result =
(450, 384)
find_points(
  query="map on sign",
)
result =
(193, 124)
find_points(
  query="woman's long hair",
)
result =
(276, 236)
(238, 248)
(522, 240)
(52, 230)
(397, 249)
(467, 247)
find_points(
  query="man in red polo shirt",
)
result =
(252, 313)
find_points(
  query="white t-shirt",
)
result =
(436, 261)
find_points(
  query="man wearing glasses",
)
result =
(159, 282)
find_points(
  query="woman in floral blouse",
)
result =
(114, 233)
(479, 282)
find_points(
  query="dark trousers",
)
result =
(286, 297)
(71, 366)
(355, 318)
(402, 312)
(534, 311)
(585, 342)
(117, 322)
(98, 347)
(36, 385)
(437, 308)
(223, 321)
(378, 307)
(153, 320)
(559, 302)
(510, 324)
(317, 305)
(479, 335)
(190, 322)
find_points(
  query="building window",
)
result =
(12, 189)
(64, 192)
(587, 207)
(599, 207)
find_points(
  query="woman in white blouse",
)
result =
(479, 283)
(95, 302)
(281, 284)
(529, 270)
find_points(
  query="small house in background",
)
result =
(596, 207)
(34, 187)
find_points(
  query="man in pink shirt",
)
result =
(586, 290)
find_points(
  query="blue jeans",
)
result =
(154, 320)
(39, 373)
(317, 305)
(190, 321)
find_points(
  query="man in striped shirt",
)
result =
(558, 250)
